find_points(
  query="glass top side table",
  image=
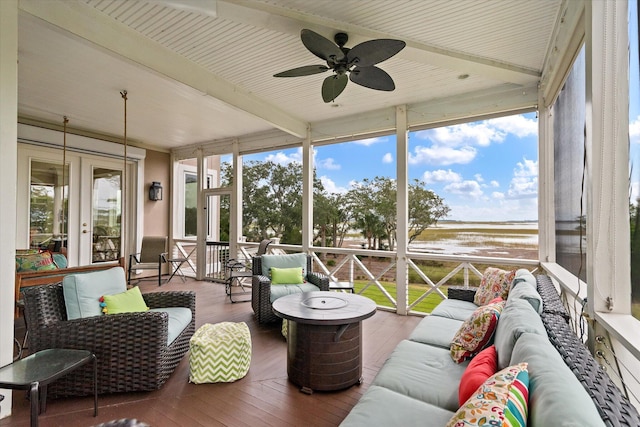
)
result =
(36, 371)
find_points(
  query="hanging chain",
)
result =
(124, 180)
(64, 184)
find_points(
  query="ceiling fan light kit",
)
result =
(356, 64)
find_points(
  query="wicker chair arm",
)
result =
(461, 293)
(319, 279)
(171, 299)
(135, 333)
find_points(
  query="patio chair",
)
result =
(151, 256)
(237, 271)
(136, 350)
(264, 292)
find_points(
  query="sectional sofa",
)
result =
(419, 384)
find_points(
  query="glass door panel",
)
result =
(48, 205)
(106, 214)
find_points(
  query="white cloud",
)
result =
(441, 175)
(519, 125)
(387, 158)
(328, 163)
(495, 183)
(497, 195)
(331, 187)
(281, 158)
(524, 183)
(482, 133)
(634, 130)
(635, 191)
(478, 177)
(369, 141)
(441, 155)
(466, 188)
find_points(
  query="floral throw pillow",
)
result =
(476, 332)
(502, 400)
(495, 283)
(35, 262)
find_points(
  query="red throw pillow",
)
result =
(481, 367)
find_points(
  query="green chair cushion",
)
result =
(82, 292)
(130, 301)
(282, 290)
(284, 261)
(179, 318)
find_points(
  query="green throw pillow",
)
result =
(286, 276)
(130, 301)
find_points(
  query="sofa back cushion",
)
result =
(284, 261)
(82, 292)
(516, 318)
(556, 397)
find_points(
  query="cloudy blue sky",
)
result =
(486, 170)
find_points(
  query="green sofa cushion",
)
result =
(556, 397)
(380, 406)
(435, 330)
(423, 372)
(454, 309)
(517, 317)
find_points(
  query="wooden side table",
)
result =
(38, 370)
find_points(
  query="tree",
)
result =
(425, 209)
(376, 212)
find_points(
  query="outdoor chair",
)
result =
(137, 348)
(151, 256)
(264, 290)
(238, 270)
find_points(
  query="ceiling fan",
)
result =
(358, 62)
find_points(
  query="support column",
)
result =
(607, 125)
(546, 210)
(307, 193)
(235, 214)
(8, 172)
(402, 209)
(201, 226)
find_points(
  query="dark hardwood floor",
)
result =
(264, 397)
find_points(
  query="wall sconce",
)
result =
(155, 191)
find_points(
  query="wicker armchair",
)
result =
(131, 348)
(261, 289)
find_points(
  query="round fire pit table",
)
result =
(324, 338)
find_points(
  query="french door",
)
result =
(79, 207)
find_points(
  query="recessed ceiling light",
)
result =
(463, 76)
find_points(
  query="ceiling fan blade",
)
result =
(320, 46)
(372, 52)
(373, 78)
(333, 86)
(307, 70)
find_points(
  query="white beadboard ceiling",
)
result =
(201, 71)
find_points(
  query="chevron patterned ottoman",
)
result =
(219, 352)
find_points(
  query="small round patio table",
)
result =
(324, 338)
